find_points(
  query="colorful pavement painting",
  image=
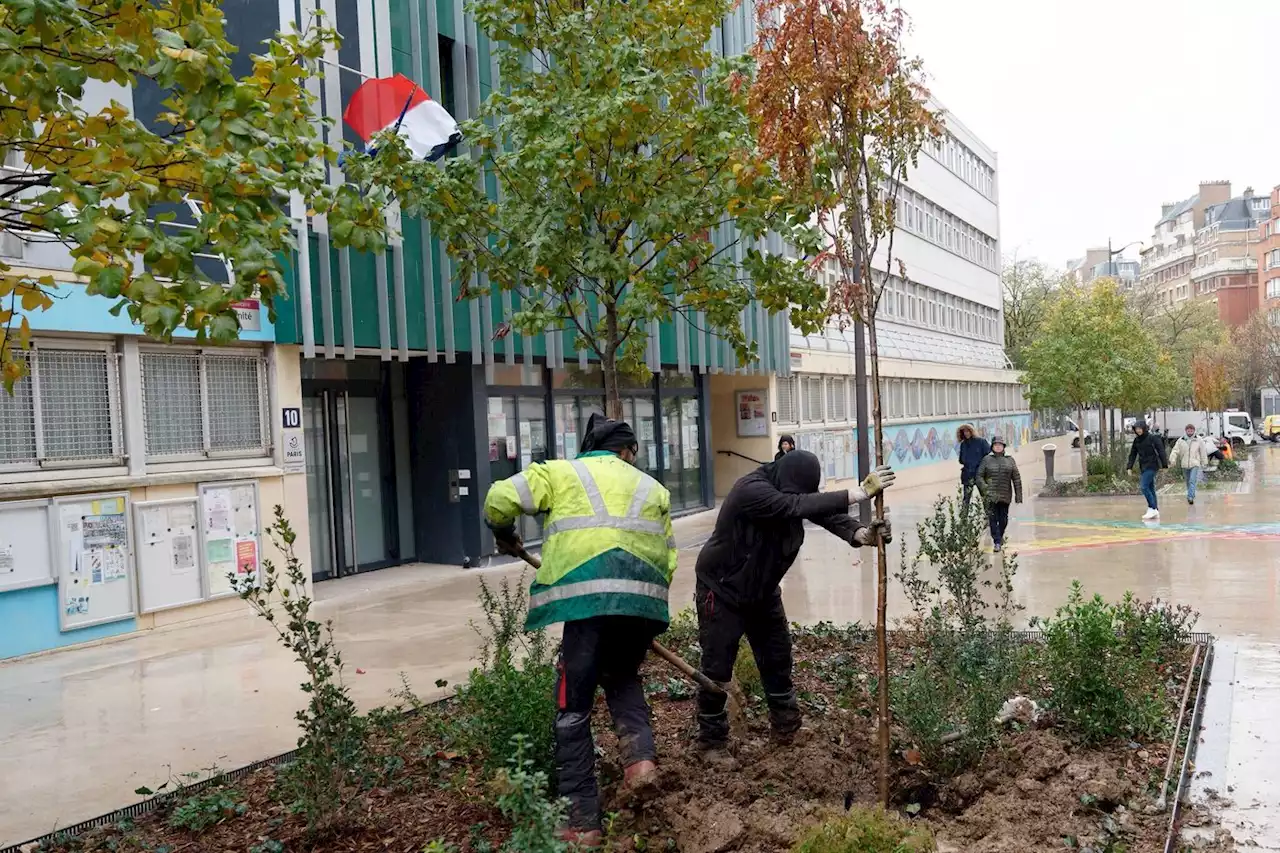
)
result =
(1103, 534)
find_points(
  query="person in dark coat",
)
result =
(1000, 483)
(786, 444)
(756, 539)
(973, 449)
(1149, 452)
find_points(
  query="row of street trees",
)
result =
(620, 172)
(1100, 345)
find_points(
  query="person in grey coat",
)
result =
(1000, 484)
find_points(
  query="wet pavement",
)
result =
(81, 729)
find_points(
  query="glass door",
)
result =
(350, 498)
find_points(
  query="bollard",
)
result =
(1049, 450)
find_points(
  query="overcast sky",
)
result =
(1102, 109)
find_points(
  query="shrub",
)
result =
(1101, 685)
(333, 763)
(509, 694)
(535, 820)
(1101, 466)
(746, 672)
(865, 831)
(681, 636)
(1155, 626)
(208, 808)
(969, 662)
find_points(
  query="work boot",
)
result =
(715, 756)
(640, 779)
(583, 839)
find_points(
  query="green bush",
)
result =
(865, 831)
(681, 636)
(522, 797)
(1155, 625)
(969, 662)
(334, 764)
(1102, 683)
(1101, 466)
(746, 672)
(509, 694)
(208, 808)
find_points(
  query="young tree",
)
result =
(92, 180)
(844, 112)
(1181, 330)
(1090, 348)
(1029, 288)
(1211, 376)
(1252, 357)
(630, 186)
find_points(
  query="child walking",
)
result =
(1000, 484)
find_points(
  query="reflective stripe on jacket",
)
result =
(607, 546)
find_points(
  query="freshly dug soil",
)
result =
(1037, 791)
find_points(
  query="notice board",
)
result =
(230, 535)
(26, 545)
(94, 560)
(168, 546)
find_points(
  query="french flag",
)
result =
(397, 103)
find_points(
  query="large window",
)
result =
(201, 403)
(66, 411)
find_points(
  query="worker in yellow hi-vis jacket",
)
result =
(608, 556)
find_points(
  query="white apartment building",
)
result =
(940, 330)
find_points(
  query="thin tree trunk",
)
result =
(609, 364)
(1084, 453)
(882, 557)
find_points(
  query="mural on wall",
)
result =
(924, 444)
(909, 445)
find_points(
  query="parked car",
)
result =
(1074, 430)
(1271, 428)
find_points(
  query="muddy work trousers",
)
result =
(720, 630)
(604, 651)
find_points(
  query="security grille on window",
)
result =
(66, 411)
(812, 391)
(204, 404)
(836, 407)
(788, 411)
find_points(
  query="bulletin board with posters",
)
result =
(752, 414)
(230, 535)
(168, 548)
(94, 560)
(26, 545)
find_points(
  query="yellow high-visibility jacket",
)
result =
(607, 547)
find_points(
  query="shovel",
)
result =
(658, 649)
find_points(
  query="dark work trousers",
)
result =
(720, 630)
(968, 489)
(998, 515)
(604, 651)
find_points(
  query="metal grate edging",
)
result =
(1188, 755)
(152, 804)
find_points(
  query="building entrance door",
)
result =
(350, 497)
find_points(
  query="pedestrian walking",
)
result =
(1000, 483)
(1148, 451)
(756, 539)
(1191, 455)
(973, 449)
(608, 556)
(786, 444)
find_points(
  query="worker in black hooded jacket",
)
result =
(756, 539)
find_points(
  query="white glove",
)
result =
(876, 482)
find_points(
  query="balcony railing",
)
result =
(1224, 265)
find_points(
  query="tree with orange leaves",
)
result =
(844, 113)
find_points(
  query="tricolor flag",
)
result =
(398, 103)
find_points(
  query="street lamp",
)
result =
(1111, 255)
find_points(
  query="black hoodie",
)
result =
(761, 527)
(788, 439)
(1147, 450)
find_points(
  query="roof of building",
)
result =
(1179, 209)
(1236, 213)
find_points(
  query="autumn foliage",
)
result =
(844, 113)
